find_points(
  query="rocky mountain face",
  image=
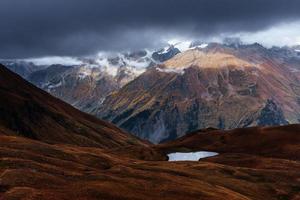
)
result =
(83, 87)
(222, 86)
(165, 54)
(271, 115)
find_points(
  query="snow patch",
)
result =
(84, 72)
(50, 87)
(201, 46)
(183, 46)
(164, 50)
(179, 44)
(192, 156)
(171, 70)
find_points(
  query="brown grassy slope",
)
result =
(33, 170)
(33, 113)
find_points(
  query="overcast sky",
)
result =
(35, 28)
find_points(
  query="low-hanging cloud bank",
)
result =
(33, 28)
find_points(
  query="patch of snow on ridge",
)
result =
(191, 156)
(170, 70)
(201, 46)
(183, 46)
(186, 45)
(84, 72)
(55, 85)
(180, 44)
(164, 50)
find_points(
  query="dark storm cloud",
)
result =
(79, 27)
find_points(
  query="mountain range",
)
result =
(162, 95)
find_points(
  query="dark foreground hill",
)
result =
(30, 112)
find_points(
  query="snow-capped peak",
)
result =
(183, 46)
(187, 45)
(179, 44)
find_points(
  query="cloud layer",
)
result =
(33, 28)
